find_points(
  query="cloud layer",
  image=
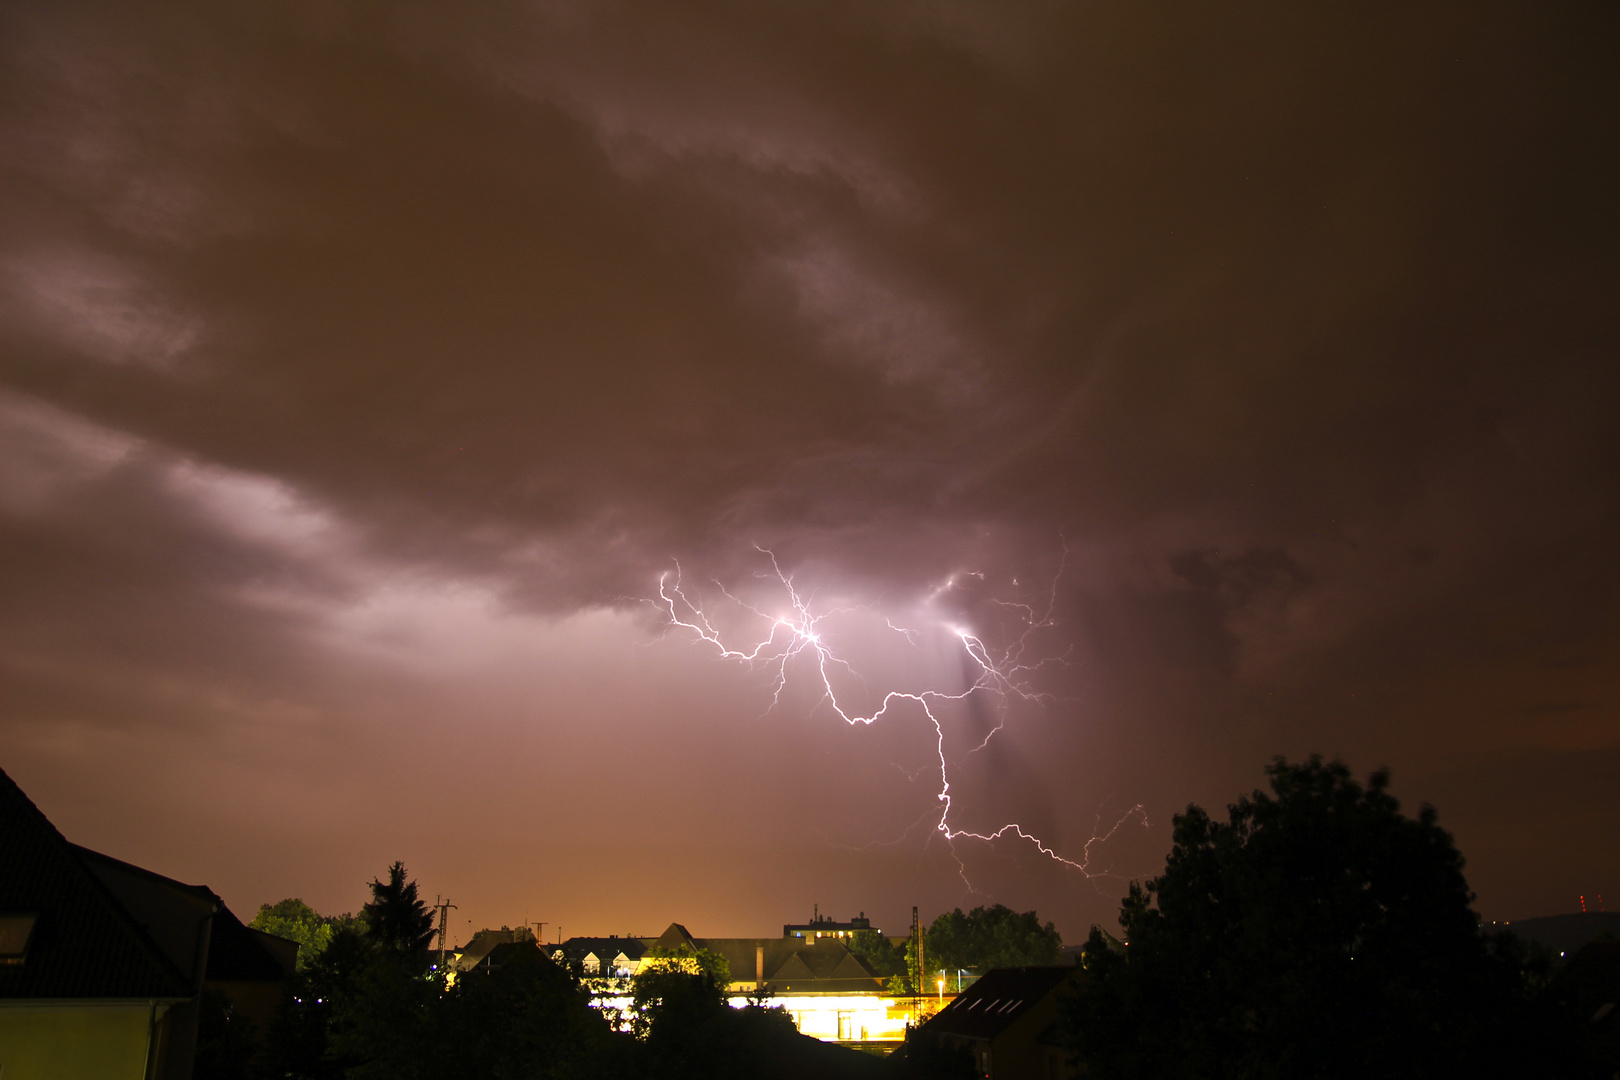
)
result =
(364, 367)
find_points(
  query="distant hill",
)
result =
(1565, 933)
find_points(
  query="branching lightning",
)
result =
(798, 634)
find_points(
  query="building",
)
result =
(1007, 1022)
(483, 943)
(820, 926)
(104, 966)
(809, 971)
(1588, 990)
(609, 957)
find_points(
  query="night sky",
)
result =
(365, 365)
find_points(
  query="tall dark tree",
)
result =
(300, 1040)
(1318, 932)
(396, 918)
(368, 966)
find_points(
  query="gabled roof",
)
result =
(675, 938)
(84, 943)
(794, 968)
(503, 953)
(482, 944)
(824, 966)
(237, 953)
(172, 913)
(609, 947)
(1000, 997)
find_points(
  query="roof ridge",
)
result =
(108, 904)
(201, 890)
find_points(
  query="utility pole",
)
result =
(443, 908)
(917, 945)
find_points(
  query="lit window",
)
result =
(15, 930)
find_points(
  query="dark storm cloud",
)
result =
(1287, 324)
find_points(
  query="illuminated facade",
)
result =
(809, 971)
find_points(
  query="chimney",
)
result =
(759, 966)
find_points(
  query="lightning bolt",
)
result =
(798, 633)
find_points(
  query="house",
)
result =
(485, 942)
(603, 957)
(1007, 1021)
(104, 965)
(504, 953)
(822, 926)
(1588, 990)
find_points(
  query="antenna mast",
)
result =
(443, 908)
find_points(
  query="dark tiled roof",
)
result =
(608, 947)
(237, 954)
(84, 944)
(674, 937)
(503, 953)
(483, 943)
(1001, 996)
(824, 966)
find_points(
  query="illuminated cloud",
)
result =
(363, 370)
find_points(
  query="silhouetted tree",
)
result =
(527, 1018)
(1316, 933)
(986, 938)
(397, 919)
(225, 1040)
(300, 1040)
(368, 966)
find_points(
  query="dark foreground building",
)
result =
(106, 969)
(1007, 1023)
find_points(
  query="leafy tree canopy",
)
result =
(704, 962)
(1318, 932)
(297, 921)
(986, 938)
(883, 956)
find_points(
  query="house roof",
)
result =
(999, 998)
(237, 953)
(83, 942)
(503, 953)
(674, 938)
(609, 947)
(172, 913)
(483, 943)
(824, 966)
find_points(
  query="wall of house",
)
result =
(74, 1042)
(1015, 1052)
(865, 1017)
